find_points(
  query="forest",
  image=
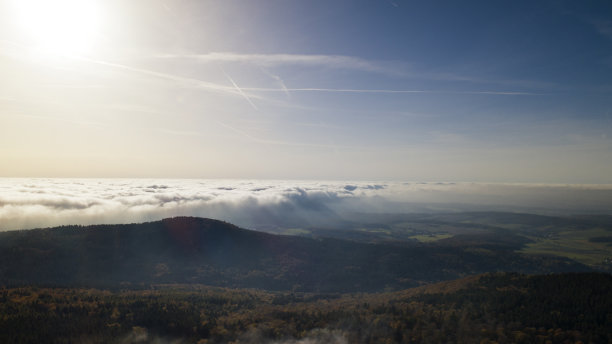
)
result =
(488, 308)
(195, 280)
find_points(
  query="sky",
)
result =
(471, 91)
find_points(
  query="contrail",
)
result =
(353, 90)
(279, 80)
(240, 91)
(336, 61)
(195, 82)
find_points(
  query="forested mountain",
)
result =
(204, 251)
(491, 308)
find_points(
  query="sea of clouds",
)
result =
(34, 203)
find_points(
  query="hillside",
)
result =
(490, 308)
(202, 251)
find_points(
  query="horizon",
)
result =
(425, 181)
(257, 204)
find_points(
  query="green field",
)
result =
(574, 245)
(296, 231)
(580, 238)
(430, 237)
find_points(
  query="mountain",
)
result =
(190, 250)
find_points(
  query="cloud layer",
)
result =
(32, 203)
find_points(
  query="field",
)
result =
(585, 239)
(577, 245)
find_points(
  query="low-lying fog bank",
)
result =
(32, 203)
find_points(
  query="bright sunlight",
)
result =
(59, 27)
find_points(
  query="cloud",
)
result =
(141, 335)
(253, 335)
(232, 89)
(316, 336)
(267, 60)
(196, 83)
(181, 80)
(32, 203)
(350, 187)
(391, 91)
(390, 68)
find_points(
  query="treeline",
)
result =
(492, 308)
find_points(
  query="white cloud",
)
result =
(266, 60)
(336, 62)
(31, 203)
(316, 336)
(388, 91)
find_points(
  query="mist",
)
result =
(34, 203)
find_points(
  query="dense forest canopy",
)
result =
(490, 308)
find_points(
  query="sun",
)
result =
(59, 27)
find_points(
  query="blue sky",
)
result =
(485, 91)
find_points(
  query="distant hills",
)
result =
(191, 250)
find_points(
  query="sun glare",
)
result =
(59, 27)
